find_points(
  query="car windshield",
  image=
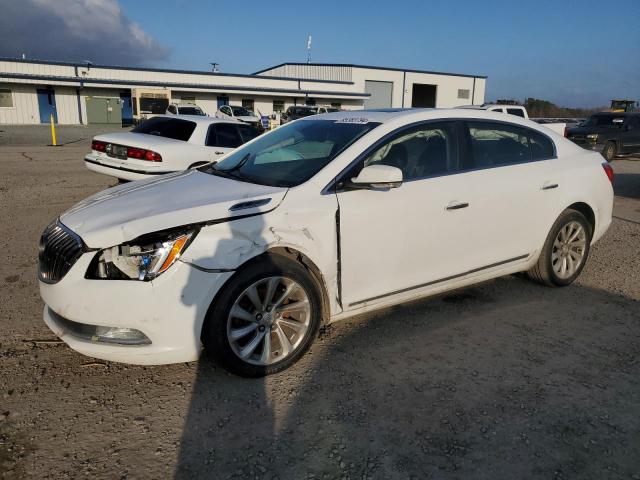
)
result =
(306, 111)
(167, 127)
(292, 154)
(190, 111)
(242, 112)
(603, 121)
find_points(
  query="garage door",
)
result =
(104, 110)
(380, 94)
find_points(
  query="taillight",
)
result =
(98, 146)
(608, 170)
(142, 154)
(152, 156)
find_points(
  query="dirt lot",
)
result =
(504, 380)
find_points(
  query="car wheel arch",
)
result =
(585, 209)
(294, 255)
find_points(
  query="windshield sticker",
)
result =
(359, 120)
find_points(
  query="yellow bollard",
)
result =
(53, 131)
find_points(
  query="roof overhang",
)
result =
(115, 83)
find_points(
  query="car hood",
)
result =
(247, 119)
(127, 211)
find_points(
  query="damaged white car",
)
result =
(319, 220)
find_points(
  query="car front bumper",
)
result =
(121, 169)
(169, 311)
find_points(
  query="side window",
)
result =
(226, 110)
(227, 136)
(211, 140)
(423, 151)
(247, 133)
(495, 144)
(516, 111)
(541, 146)
(497, 110)
(172, 109)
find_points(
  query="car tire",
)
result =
(223, 334)
(565, 250)
(609, 151)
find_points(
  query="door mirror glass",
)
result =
(379, 177)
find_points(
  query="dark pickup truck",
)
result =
(609, 133)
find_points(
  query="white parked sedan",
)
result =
(241, 114)
(165, 144)
(324, 218)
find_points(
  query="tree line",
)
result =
(544, 109)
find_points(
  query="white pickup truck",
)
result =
(520, 111)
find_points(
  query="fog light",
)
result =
(119, 335)
(98, 333)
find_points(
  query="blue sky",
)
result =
(574, 53)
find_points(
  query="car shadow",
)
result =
(627, 185)
(507, 379)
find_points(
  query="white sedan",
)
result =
(165, 144)
(324, 218)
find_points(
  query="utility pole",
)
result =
(309, 49)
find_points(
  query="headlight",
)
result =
(142, 259)
(593, 136)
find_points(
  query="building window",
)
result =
(464, 93)
(6, 99)
(278, 106)
(336, 105)
(191, 100)
(248, 103)
(310, 101)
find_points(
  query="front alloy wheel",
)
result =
(268, 320)
(265, 317)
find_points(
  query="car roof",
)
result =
(385, 115)
(201, 118)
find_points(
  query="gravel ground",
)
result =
(507, 379)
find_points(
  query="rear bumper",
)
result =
(117, 169)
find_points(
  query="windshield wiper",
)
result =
(237, 166)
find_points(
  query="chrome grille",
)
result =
(60, 248)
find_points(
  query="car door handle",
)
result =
(457, 205)
(549, 186)
(218, 153)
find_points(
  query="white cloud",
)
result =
(75, 30)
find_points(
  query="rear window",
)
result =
(174, 128)
(516, 111)
(190, 111)
(603, 121)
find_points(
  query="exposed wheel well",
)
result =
(299, 257)
(587, 211)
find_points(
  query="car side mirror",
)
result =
(377, 177)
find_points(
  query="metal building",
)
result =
(31, 91)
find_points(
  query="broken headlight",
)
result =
(142, 259)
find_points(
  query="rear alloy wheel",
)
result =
(565, 251)
(609, 151)
(265, 318)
